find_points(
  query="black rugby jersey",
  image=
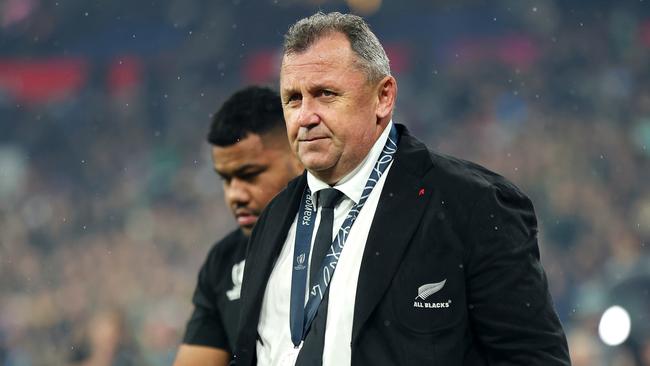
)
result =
(215, 317)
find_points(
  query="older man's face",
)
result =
(330, 108)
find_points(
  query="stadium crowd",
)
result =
(108, 201)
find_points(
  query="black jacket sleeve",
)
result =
(509, 303)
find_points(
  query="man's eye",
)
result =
(326, 93)
(249, 176)
(293, 98)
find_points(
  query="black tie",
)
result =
(311, 353)
(328, 199)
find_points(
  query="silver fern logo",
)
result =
(429, 289)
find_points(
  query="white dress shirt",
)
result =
(273, 326)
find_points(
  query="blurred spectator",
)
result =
(108, 342)
(106, 201)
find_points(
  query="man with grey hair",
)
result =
(383, 252)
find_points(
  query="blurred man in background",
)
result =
(108, 341)
(252, 156)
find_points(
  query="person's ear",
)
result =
(386, 94)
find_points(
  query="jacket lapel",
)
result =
(401, 205)
(261, 260)
(276, 228)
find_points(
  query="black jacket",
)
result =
(439, 219)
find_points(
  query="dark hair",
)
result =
(253, 109)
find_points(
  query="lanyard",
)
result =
(300, 315)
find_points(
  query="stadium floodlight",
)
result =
(615, 325)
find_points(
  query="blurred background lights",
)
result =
(614, 327)
(364, 7)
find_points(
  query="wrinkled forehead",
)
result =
(299, 77)
(318, 65)
(297, 69)
(321, 56)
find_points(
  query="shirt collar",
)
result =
(354, 182)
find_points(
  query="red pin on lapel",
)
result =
(421, 193)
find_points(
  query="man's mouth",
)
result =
(245, 218)
(310, 139)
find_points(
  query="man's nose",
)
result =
(308, 114)
(237, 192)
